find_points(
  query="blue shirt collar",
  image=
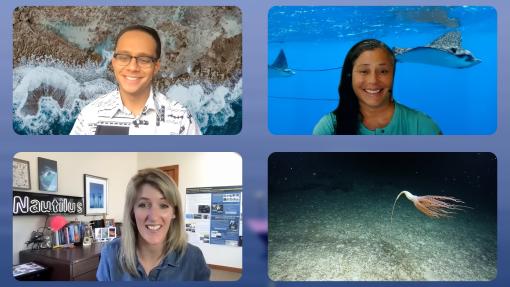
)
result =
(170, 260)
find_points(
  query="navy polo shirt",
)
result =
(190, 266)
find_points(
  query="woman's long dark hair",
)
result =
(347, 113)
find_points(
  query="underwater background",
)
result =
(330, 217)
(461, 101)
(62, 56)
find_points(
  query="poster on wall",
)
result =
(96, 194)
(20, 174)
(47, 174)
(225, 215)
(198, 221)
(213, 215)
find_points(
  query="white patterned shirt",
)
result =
(159, 116)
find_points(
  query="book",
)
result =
(26, 268)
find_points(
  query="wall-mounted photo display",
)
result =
(96, 194)
(214, 215)
(20, 174)
(396, 216)
(47, 173)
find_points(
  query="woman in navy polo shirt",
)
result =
(153, 245)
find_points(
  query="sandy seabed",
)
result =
(316, 235)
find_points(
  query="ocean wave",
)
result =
(214, 108)
(48, 98)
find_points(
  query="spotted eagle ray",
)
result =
(445, 51)
(280, 68)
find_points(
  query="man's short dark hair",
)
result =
(154, 34)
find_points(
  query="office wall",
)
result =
(195, 170)
(116, 167)
(199, 170)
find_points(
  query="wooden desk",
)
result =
(66, 264)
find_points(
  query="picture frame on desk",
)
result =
(105, 234)
(101, 234)
(96, 194)
(20, 174)
(112, 233)
(109, 222)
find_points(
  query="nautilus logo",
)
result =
(22, 204)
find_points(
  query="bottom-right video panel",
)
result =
(389, 216)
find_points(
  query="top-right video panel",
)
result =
(385, 70)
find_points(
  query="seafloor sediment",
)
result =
(345, 233)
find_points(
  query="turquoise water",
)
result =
(461, 101)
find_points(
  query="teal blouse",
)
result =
(405, 121)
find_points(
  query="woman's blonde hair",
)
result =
(176, 239)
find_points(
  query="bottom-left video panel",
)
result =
(127, 216)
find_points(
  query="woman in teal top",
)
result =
(366, 104)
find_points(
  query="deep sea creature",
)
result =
(434, 206)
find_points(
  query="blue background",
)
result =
(96, 193)
(255, 143)
(320, 37)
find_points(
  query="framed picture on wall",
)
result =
(20, 174)
(96, 194)
(47, 174)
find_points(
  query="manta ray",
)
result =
(280, 68)
(445, 51)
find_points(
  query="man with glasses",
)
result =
(135, 108)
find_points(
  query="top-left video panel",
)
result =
(127, 70)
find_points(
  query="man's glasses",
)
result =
(142, 61)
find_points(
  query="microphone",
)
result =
(139, 122)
